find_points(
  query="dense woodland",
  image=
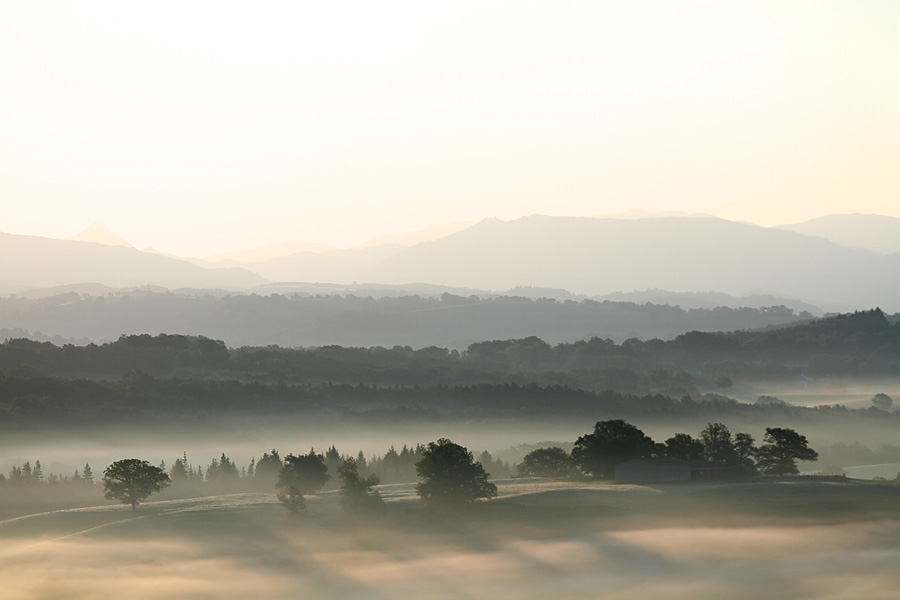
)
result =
(861, 344)
(182, 379)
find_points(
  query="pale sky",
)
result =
(200, 127)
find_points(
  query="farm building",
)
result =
(704, 469)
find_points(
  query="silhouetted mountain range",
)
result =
(100, 234)
(877, 233)
(28, 262)
(587, 257)
(599, 256)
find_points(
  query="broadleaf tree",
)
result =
(356, 494)
(611, 442)
(451, 476)
(307, 472)
(782, 449)
(546, 462)
(131, 481)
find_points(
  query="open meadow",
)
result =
(787, 538)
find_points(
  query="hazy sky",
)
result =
(200, 127)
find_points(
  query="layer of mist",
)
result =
(538, 539)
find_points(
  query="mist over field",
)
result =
(469, 300)
(173, 400)
(537, 539)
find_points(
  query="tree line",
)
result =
(223, 475)
(449, 474)
(616, 441)
(356, 320)
(32, 400)
(861, 344)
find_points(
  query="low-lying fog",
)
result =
(537, 540)
(852, 394)
(64, 452)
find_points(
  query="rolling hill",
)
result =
(877, 233)
(28, 262)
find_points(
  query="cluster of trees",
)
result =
(28, 475)
(349, 474)
(450, 476)
(222, 474)
(615, 441)
(449, 473)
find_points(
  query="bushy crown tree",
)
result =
(131, 481)
(735, 450)
(782, 449)
(355, 493)
(683, 446)
(308, 473)
(611, 443)
(546, 462)
(450, 476)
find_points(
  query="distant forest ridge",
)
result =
(446, 320)
(35, 402)
(861, 344)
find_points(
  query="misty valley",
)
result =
(466, 300)
(744, 463)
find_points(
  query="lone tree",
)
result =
(450, 476)
(131, 481)
(307, 473)
(781, 451)
(546, 462)
(292, 499)
(355, 493)
(299, 475)
(611, 443)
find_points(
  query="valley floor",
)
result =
(795, 538)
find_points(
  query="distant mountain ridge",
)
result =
(601, 256)
(877, 233)
(692, 300)
(99, 233)
(28, 262)
(587, 257)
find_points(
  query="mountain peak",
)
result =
(99, 233)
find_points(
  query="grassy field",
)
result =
(797, 538)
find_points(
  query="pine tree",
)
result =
(87, 474)
(37, 473)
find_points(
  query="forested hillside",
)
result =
(451, 321)
(172, 377)
(858, 344)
